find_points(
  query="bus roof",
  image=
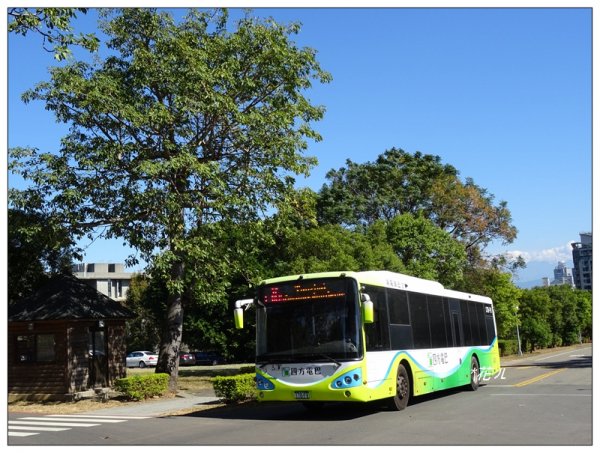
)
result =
(390, 280)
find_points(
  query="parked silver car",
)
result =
(141, 359)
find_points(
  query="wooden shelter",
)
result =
(65, 339)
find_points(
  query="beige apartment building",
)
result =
(108, 278)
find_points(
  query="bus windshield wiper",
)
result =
(296, 359)
(325, 356)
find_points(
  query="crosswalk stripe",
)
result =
(83, 425)
(82, 419)
(18, 428)
(37, 428)
(128, 417)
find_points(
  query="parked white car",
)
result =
(141, 359)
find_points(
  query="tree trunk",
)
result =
(168, 358)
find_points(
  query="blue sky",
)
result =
(503, 95)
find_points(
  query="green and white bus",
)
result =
(366, 336)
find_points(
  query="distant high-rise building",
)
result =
(582, 261)
(545, 282)
(562, 275)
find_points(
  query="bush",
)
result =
(508, 347)
(143, 386)
(235, 388)
(247, 369)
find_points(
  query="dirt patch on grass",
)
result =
(56, 407)
(191, 380)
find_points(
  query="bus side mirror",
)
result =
(238, 317)
(367, 306)
(238, 312)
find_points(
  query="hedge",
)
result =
(508, 347)
(143, 386)
(235, 388)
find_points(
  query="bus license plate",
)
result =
(302, 395)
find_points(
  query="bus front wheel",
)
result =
(399, 401)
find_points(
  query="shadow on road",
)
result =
(288, 411)
(583, 361)
(296, 411)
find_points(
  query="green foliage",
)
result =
(508, 347)
(402, 183)
(38, 247)
(54, 26)
(534, 312)
(425, 250)
(146, 297)
(554, 316)
(235, 388)
(326, 248)
(143, 386)
(535, 334)
(396, 183)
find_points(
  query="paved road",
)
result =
(544, 400)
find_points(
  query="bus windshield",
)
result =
(308, 320)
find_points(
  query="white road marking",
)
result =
(128, 417)
(78, 419)
(570, 395)
(36, 428)
(82, 425)
(562, 353)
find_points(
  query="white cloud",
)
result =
(551, 255)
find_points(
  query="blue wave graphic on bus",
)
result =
(433, 373)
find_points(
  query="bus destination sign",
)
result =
(297, 292)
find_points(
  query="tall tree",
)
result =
(396, 183)
(402, 183)
(184, 128)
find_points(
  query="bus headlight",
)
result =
(351, 379)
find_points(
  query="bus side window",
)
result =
(377, 333)
(401, 336)
(489, 324)
(474, 320)
(448, 322)
(456, 322)
(466, 324)
(419, 319)
(437, 322)
(481, 323)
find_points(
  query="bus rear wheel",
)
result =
(474, 384)
(399, 401)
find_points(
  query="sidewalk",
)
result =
(155, 408)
